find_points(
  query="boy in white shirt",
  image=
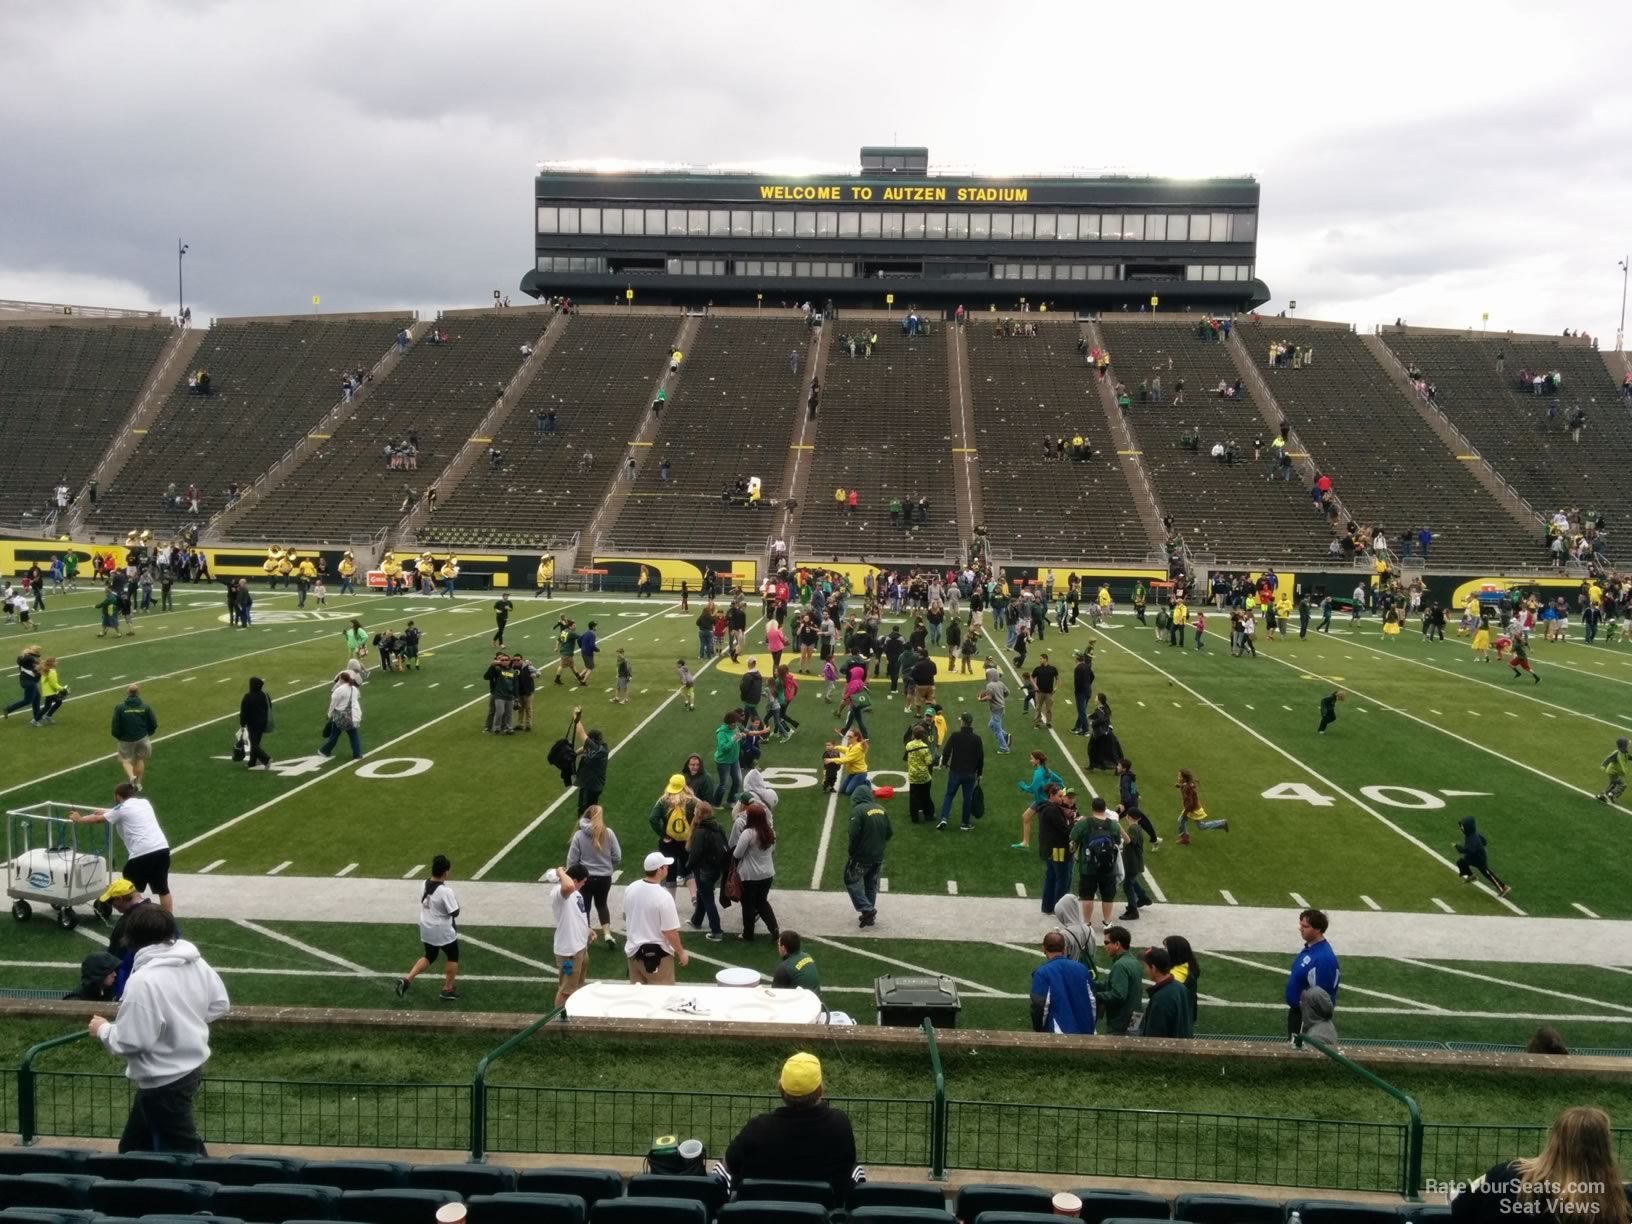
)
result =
(438, 931)
(569, 910)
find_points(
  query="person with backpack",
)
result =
(856, 702)
(706, 856)
(671, 819)
(1041, 778)
(595, 848)
(1097, 841)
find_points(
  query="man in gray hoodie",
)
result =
(1317, 1015)
(163, 1033)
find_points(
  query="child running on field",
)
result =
(1190, 809)
(1471, 857)
(688, 684)
(1615, 766)
(1521, 659)
(830, 674)
(621, 696)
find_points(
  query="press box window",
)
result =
(569, 220)
(547, 221)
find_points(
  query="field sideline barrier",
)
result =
(930, 1132)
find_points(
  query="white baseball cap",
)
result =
(657, 859)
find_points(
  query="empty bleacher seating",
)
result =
(598, 380)
(1025, 388)
(885, 430)
(1386, 464)
(1228, 510)
(732, 416)
(1525, 436)
(65, 391)
(270, 382)
(438, 394)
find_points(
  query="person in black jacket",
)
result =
(751, 689)
(805, 1140)
(255, 717)
(1082, 689)
(97, 974)
(893, 646)
(964, 758)
(706, 855)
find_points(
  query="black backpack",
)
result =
(564, 756)
(1100, 852)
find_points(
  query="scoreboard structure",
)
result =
(894, 229)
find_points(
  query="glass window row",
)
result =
(1056, 271)
(983, 225)
(1218, 272)
(571, 263)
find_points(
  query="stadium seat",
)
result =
(516, 1208)
(773, 1211)
(973, 1200)
(274, 1203)
(20, 1160)
(772, 1190)
(1437, 1213)
(67, 1190)
(1102, 1205)
(1226, 1209)
(245, 1171)
(706, 1190)
(1326, 1211)
(356, 1174)
(128, 1166)
(591, 1185)
(895, 1194)
(1014, 1217)
(901, 1215)
(46, 1215)
(203, 1217)
(464, 1179)
(648, 1211)
(152, 1196)
(394, 1206)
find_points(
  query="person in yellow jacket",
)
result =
(1104, 598)
(285, 567)
(348, 570)
(448, 573)
(269, 567)
(426, 569)
(545, 577)
(52, 690)
(305, 575)
(392, 569)
(1181, 618)
(851, 758)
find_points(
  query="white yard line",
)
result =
(467, 937)
(1442, 905)
(1446, 731)
(951, 888)
(319, 953)
(1229, 897)
(1512, 985)
(342, 766)
(1298, 900)
(527, 830)
(347, 870)
(1350, 989)
(900, 964)
(413, 871)
(822, 843)
(211, 867)
(282, 867)
(1311, 771)
(1583, 909)
(1370, 904)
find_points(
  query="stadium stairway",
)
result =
(439, 394)
(1134, 472)
(447, 481)
(965, 441)
(173, 361)
(1390, 469)
(731, 419)
(1233, 513)
(1497, 485)
(1523, 436)
(640, 446)
(796, 472)
(221, 523)
(66, 390)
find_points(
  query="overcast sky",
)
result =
(1430, 161)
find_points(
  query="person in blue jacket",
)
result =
(1315, 965)
(1062, 996)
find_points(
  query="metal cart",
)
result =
(52, 861)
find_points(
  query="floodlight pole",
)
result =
(181, 293)
(1620, 332)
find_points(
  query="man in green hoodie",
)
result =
(1119, 992)
(133, 724)
(1167, 1008)
(869, 833)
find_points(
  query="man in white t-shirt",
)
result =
(652, 925)
(570, 915)
(147, 850)
(438, 931)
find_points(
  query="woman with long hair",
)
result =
(1041, 776)
(752, 843)
(1104, 751)
(345, 715)
(596, 847)
(52, 690)
(1186, 968)
(1576, 1177)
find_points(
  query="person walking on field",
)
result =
(1190, 809)
(1521, 658)
(1328, 709)
(163, 1033)
(133, 726)
(595, 847)
(147, 850)
(438, 931)
(255, 717)
(869, 834)
(1615, 767)
(1471, 857)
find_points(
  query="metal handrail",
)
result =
(478, 1083)
(1411, 1175)
(27, 1118)
(937, 1108)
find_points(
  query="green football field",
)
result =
(1361, 819)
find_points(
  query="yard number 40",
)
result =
(1407, 797)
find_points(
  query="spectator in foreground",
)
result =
(97, 974)
(1576, 1177)
(1062, 998)
(1167, 1009)
(163, 1033)
(1546, 1040)
(805, 1140)
(1315, 966)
